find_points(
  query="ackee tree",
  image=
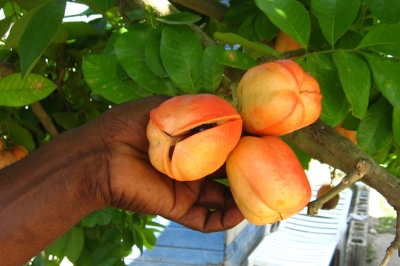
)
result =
(58, 74)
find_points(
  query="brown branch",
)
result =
(210, 8)
(348, 153)
(6, 68)
(362, 168)
(299, 139)
(46, 121)
(395, 245)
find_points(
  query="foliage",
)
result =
(77, 70)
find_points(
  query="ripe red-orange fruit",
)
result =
(277, 98)
(330, 204)
(19, 152)
(267, 181)
(2, 145)
(6, 158)
(350, 134)
(285, 43)
(191, 136)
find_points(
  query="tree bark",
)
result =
(210, 8)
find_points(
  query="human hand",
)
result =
(132, 183)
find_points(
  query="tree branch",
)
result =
(6, 68)
(362, 168)
(394, 245)
(46, 121)
(299, 139)
(349, 154)
(210, 8)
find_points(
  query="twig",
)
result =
(362, 168)
(210, 8)
(394, 245)
(6, 68)
(46, 121)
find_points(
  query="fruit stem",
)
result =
(395, 244)
(362, 168)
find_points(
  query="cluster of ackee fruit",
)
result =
(15, 153)
(191, 136)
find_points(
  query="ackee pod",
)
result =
(267, 181)
(191, 136)
(277, 98)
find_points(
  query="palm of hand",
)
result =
(135, 185)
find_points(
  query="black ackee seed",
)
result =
(202, 128)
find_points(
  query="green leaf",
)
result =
(349, 41)
(130, 51)
(111, 235)
(103, 5)
(386, 76)
(335, 16)
(127, 240)
(101, 253)
(384, 38)
(100, 73)
(138, 239)
(232, 38)
(264, 28)
(335, 120)
(324, 70)
(74, 245)
(290, 16)
(149, 238)
(4, 26)
(20, 135)
(385, 10)
(181, 54)
(375, 130)
(211, 71)
(180, 18)
(111, 262)
(100, 217)
(15, 92)
(39, 33)
(58, 246)
(246, 29)
(355, 77)
(78, 29)
(152, 52)
(68, 120)
(396, 124)
(237, 13)
(236, 59)
(304, 158)
(18, 29)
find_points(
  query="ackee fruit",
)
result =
(191, 136)
(277, 98)
(350, 134)
(330, 204)
(6, 158)
(267, 181)
(19, 152)
(284, 42)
